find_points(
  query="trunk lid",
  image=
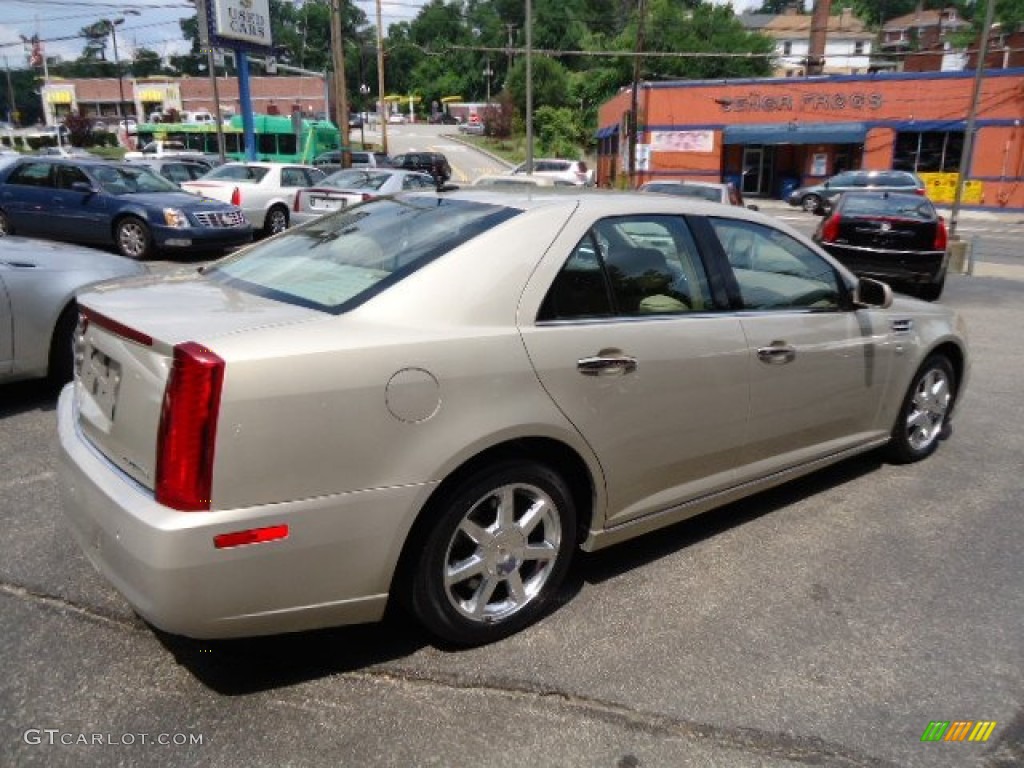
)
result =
(888, 232)
(125, 348)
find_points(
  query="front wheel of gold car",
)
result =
(496, 555)
(925, 412)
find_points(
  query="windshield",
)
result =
(702, 193)
(243, 173)
(903, 206)
(339, 261)
(356, 180)
(123, 180)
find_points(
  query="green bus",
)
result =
(276, 138)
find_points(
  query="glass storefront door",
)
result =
(758, 169)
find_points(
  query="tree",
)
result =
(550, 83)
(146, 63)
(95, 40)
(706, 30)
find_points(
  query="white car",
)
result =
(573, 171)
(355, 185)
(519, 181)
(264, 191)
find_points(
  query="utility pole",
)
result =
(819, 33)
(529, 87)
(972, 117)
(12, 110)
(380, 85)
(340, 93)
(634, 101)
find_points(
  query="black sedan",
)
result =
(104, 203)
(890, 236)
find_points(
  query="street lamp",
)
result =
(488, 72)
(364, 90)
(112, 25)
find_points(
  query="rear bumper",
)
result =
(899, 266)
(335, 566)
(303, 217)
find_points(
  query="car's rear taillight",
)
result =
(297, 205)
(919, 191)
(188, 428)
(830, 229)
(236, 196)
(941, 235)
(367, 196)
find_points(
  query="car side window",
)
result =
(580, 290)
(774, 271)
(66, 175)
(630, 266)
(176, 172)
(653, 265)
(32, 175)
(293, 177)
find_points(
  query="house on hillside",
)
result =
(848, 42)
(1005, 51)
(904, 37)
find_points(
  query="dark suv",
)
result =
(433, 163)
(818, 196)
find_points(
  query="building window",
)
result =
(928, 151)
(858, 48)
(787, 48)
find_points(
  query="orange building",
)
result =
(770, 135)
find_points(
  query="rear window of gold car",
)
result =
(341, 260)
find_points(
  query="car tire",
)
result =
(931, 291)
(923, 418)
(810, 203)
(5, 224)
(132, 238)
(276, 221)
(62, 356)
(481, 575)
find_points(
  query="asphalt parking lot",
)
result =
(827, 622)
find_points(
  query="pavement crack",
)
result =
(800, 749)
(65, 606)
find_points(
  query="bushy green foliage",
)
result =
(558, 132)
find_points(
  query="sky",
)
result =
(155, 27)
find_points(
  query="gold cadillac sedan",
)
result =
(436, 399)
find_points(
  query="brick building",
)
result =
(768, 135)
(99, 97)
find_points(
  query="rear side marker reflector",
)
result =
(115, 327)
(251, 536)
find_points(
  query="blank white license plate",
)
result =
(320, 204)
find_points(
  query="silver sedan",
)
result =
(38, 282)
(355, 185)
(437, 398)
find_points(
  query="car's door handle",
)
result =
(778, 353)
(605, 365)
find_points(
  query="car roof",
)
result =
(688, 183)
(879, 194)
(602, 202)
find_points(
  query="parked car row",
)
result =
(120, 204)
(433, 163)
(138, 206)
